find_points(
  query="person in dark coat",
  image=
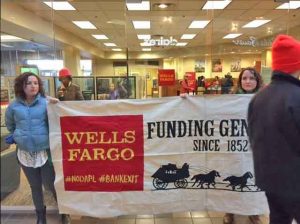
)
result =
(274, 133)
(68, 90)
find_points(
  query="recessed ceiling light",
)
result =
(163, 6)
(84, 24)
(181, 44)
(146, 49)
(199, 24)
(232, 35)
(144, 6)
(144, 36)
(110, 44)
(141, 24)
(290, 5)
(10, 38)
(256, 23)
(60, 5)
(216, 4)
(117, 49)
(100, 37)
(168, 19)
(187, 36)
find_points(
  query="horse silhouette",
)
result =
(209, 178)
(239, 181)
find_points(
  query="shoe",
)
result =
(65, 219)
(41, 216)
(255, 219)
(228, 218)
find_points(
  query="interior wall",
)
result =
(182, 65)
(102, 67)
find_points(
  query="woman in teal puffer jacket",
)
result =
(26, 119)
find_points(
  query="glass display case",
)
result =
(86, 85)
(124, 86)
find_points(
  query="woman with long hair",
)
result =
(249, 82)
(26, 119)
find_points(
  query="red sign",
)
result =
(166, 77)
(103, 153)
(191, 77)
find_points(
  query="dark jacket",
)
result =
(274, 133)
(72, 92)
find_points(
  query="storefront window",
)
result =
(125, 44)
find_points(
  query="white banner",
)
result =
(154, 156)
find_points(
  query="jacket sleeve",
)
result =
(9, 120)
(249, 120)
(294, 113)
(79, 95)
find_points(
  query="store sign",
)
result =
(252, 41)
(151, 156)
(191, 78)
(166, 77)
(161, 42)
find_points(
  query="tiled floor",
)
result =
(172, 218)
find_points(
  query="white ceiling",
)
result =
(121, 32)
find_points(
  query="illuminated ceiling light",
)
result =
(146, 49)
(232, 35)
(168, 19)
(162, 6)
(290, 5)
(10, 38)
(234, 27)
(144, 36)
(60, 5)
(216, 4)
(141, 24)
(116, 49)
(187, 36)
(144, 6)
(181, 44)
(269, 30)
(199, 24)
(84, 24)
(110, 44)
(100, 37)
(256, 23)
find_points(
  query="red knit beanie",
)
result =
(285, 54)
(64, 73)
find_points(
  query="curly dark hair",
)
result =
(21, 81)
(256, 75)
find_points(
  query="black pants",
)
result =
(37, 177)
(283, 209)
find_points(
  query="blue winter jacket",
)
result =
(29, 124)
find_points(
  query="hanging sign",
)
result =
(166, 77)
(191, 78)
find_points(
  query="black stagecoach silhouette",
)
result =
(171, 174)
